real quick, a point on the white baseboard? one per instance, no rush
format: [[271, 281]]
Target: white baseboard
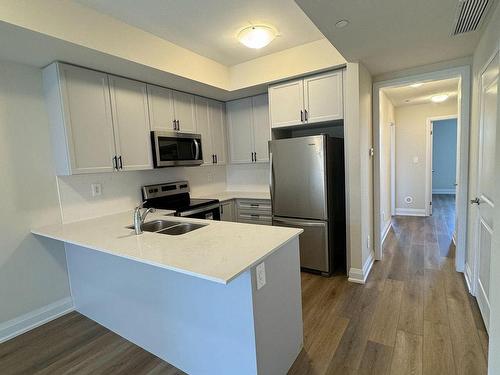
[[468, 278], [35, 318], [411, 212], [386, 231], [359, 276], [444, 191]]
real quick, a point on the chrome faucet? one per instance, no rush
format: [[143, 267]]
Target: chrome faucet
[[140, 217]]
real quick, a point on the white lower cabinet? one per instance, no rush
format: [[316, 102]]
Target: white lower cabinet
[[253, 211], [227, 211]]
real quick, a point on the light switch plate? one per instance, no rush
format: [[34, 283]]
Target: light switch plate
[[260, 272], [96, 189]]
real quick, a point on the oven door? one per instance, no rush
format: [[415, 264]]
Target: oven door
[[172, 149], [211, 212]]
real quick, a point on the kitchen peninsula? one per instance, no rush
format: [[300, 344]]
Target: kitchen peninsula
[[222, 299]]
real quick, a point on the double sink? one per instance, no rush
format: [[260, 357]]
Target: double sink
[[173, 228]]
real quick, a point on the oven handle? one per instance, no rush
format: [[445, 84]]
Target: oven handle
[[198, 210], [196, 148]]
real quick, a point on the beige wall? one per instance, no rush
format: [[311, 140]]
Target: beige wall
[[387, 119], [32, 270], [488, 44], [410, 143]]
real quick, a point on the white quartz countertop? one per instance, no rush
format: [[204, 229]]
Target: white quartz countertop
[[218, 252], [228, 195]]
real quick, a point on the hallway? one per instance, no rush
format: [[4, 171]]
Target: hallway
[[414, 315]]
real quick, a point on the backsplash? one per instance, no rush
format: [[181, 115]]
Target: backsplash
[[121, 191], [248, 177]]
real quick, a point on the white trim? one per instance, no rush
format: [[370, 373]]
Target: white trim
[[359, 276], [35, 318], [411, 212], [464, 75], [385, 232], [468, 278], [444, 191], [484, 305], [393, 169]]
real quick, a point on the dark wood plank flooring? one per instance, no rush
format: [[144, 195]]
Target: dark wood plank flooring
[[413, 316]]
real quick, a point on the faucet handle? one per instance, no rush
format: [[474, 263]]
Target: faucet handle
[[141, 205]]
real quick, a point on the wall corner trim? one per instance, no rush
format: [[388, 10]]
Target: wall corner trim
[[359, 276], [386, 231], [411, 212], [35, 318]]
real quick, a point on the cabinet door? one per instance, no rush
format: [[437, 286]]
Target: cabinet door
[[227, 211], [161, 108], [239, 122], [323, 97], [184, 112], [286, 101], [203, 128], [261, 127], [129, 103], [218, 130], [88, 123]]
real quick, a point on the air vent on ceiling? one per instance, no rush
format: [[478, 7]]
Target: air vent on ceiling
[[470, 13]]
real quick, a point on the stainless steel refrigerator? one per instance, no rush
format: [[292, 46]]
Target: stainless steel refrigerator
[[308, 191]]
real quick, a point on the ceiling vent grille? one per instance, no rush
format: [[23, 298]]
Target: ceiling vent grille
[[470, 13]]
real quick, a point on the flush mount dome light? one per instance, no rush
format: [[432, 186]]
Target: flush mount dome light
[[341, 24], [439, 98], [257, 36]]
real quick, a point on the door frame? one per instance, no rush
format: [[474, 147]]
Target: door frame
[[428, 156], [463, 124]]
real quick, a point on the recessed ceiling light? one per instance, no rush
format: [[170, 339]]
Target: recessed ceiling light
[[257, 36], [439, 98], [341, 24], [416, 84]]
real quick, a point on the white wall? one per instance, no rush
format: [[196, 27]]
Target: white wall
[[32, 270], [387, 120], [411, 143]]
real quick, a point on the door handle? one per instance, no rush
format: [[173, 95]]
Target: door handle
[[475, 201]]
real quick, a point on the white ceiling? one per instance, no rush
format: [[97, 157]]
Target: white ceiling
[[391, 35], [407, 95], [209, 28]]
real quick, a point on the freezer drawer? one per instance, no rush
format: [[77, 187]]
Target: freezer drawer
[[313, 242]]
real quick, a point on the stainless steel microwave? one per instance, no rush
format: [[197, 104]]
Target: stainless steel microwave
[[172, 149]]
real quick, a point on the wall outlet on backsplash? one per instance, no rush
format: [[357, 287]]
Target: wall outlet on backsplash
[[210, 177], [96, 190]]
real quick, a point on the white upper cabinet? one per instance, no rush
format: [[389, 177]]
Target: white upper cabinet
[[80, 115], [249, 130], [261, 128], [239, 122], [203, 128], [184, 112], [161, 108], [218, 130], [129, 104], [286, 104], [323, 97], [310, 100]]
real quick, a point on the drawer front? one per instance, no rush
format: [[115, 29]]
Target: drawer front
[[254, 219], [254, 205]]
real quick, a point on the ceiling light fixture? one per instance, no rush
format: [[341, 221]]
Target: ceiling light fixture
[[439, 98], [341, 24], [416, 84], [257, 36]]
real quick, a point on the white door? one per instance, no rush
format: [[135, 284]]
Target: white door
[[203, 128], [323, 97], [286, 104], [261, 127], [161, 108], [129, 103], [217, 128], [486, 183], [89, 126], [239, 122], [184, 112]]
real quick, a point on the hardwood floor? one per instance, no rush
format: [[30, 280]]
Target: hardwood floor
[[413, 316]]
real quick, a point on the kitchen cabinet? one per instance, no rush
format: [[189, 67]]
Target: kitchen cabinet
[[249, 130], [227, 211], [171, 110], [314, 99], [253, 211], [210, 124], [129, 105]]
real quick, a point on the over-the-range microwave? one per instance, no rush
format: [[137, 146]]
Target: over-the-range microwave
[[172, 149]]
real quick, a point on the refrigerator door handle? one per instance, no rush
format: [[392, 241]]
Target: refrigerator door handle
[[302, 222], [271, 177]]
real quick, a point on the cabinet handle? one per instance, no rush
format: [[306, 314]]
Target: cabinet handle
[[213, 158], [178, 125], [216, 161], [252, 156], [120, 163], [305, 114], [301, 116], [175, 125], [255, 157], [115, 163], [222, 209]]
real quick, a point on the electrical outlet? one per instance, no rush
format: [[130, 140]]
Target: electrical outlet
[[96, 189], [210, 177], [260, 273]]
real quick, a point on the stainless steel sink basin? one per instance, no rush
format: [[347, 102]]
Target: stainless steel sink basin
[[181, 229], [156, 225]]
